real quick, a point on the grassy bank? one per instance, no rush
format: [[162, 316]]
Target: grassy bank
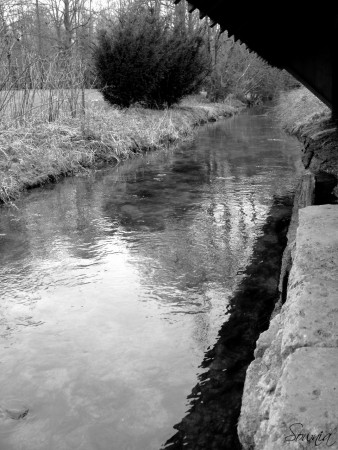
[[299, 109], [39, 151], [306, 117]]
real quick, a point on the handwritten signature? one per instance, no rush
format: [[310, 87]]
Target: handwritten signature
[[317, 439]]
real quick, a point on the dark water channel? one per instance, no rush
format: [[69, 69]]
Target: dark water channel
[[114, 288]]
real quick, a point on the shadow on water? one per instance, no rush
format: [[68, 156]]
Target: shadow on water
[[215, 402]]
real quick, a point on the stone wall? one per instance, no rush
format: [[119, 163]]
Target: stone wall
[[319, 151], [291, 387]]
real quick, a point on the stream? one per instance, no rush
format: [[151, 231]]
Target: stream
[[115, 286]]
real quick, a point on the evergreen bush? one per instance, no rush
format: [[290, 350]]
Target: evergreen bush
[[143, 58]]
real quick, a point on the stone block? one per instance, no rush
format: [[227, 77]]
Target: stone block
[[304, 408], [260, 383], [316, 252], [311, 316]]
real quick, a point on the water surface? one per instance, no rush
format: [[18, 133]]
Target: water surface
[[114, 286]]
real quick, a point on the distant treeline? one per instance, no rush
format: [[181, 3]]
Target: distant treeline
[[55, 44]]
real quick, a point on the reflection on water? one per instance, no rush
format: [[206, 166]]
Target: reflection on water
[[215, 401], [113, 287]]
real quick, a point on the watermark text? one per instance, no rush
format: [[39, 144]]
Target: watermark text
[[299, 435]]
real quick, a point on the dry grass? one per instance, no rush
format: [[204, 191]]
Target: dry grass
[[39, 151], [299, 108]]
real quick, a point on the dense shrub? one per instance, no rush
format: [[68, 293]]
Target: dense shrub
[[143, 58], [183, 70]]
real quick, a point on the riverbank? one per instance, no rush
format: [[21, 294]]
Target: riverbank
[[290, 395], [303, 115], [38, 152]]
